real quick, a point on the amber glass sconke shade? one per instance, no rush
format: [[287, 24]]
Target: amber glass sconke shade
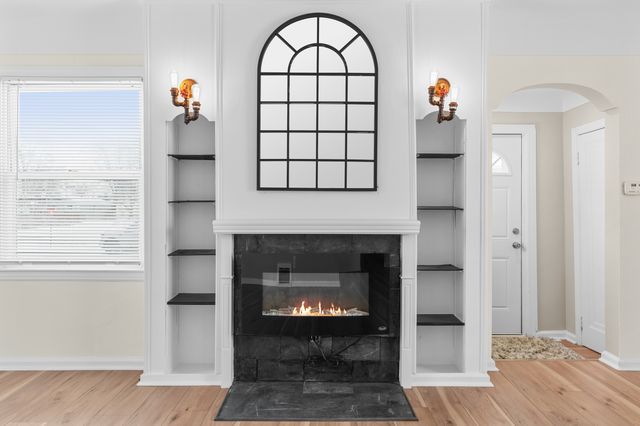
[[439, 88], [189, 90]]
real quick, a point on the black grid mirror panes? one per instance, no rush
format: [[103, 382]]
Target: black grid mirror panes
[[317, 107]]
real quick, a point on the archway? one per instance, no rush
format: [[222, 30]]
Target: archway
[[602, 105]]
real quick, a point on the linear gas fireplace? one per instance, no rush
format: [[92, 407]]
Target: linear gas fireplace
[[309, 294], [305, 300]]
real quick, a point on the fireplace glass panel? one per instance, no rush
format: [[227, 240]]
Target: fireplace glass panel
[[311, 285]]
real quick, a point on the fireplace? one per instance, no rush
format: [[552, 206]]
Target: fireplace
[[314, 294], [317, 307]]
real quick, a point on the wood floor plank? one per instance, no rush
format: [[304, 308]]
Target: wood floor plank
[[519, 409], [12, 381], [444, 406], [122, 406], [86, 408], [28, 399], [154, 409], [544, 391], [481, 407], [600, 400], [193, 407], [57, 402]]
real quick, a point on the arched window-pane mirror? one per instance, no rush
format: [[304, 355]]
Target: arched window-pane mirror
[[317, 107]]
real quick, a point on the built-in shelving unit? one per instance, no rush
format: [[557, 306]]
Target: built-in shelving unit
[[440, 279], [190, 294]]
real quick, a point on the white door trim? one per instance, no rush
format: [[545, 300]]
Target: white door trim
[[529, 227], [575, 132]]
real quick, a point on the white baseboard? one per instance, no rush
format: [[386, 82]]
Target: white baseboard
[[558, 335], [72, 363], [451, 379], [492, 365], [617, 363], [181, 379]]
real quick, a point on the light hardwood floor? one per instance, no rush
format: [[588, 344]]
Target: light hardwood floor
[[525, 392]]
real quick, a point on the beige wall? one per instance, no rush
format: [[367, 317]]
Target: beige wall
[[550, 219], [619, 98], [54, 320]]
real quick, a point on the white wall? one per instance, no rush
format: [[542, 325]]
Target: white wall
[[384, 23], [57, 320], [33, 27], [567, 27]]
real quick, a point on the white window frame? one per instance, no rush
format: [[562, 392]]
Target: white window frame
[[78, 271]]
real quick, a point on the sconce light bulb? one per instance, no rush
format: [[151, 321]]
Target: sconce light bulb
[[454, 93], [174, 79], [433, 78], [195, 92]]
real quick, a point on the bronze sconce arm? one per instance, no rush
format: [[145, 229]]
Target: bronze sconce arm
[[437, 94], [190, 91]]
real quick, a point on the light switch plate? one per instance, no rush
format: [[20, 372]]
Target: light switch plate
[[631, 187]]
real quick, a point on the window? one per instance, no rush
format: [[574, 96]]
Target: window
[[499, 165], [71, 174], [317, 112]]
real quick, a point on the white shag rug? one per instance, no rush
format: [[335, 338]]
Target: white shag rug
[[525, 347]]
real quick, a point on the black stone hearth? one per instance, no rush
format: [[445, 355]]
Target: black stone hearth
[[315, 401], [349, 358]]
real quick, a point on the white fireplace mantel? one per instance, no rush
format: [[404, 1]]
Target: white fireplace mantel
[[316, 226], [224, 230]]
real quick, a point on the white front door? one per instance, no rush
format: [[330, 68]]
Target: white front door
[[507, 236], [588, 205]]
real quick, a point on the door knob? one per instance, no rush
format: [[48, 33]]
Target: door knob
[[516, 245]]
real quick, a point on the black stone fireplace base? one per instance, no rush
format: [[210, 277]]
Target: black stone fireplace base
[[349, 359], [315, 401]]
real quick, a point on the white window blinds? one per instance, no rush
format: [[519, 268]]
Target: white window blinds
[[70, 172]]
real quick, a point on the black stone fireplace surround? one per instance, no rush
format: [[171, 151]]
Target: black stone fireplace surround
[[344, 349]]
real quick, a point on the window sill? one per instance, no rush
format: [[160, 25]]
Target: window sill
[[67, 273]]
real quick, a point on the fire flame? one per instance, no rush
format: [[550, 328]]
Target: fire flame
[[303, 310]]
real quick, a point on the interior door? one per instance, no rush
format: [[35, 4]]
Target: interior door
[[589, 235], [506, 237]]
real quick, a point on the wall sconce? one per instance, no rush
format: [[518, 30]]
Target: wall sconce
[[439, 88], [190, 92]]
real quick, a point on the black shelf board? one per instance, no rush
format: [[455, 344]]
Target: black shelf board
[[193, 299], [446, 267], [193, 156], [190, 201], [440, 208], [193, 252], [422, 155], [438, 320]]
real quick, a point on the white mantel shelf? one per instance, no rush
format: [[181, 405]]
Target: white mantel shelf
[[316, 226]]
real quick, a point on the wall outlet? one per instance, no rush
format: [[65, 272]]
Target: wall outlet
[[631, 187]]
